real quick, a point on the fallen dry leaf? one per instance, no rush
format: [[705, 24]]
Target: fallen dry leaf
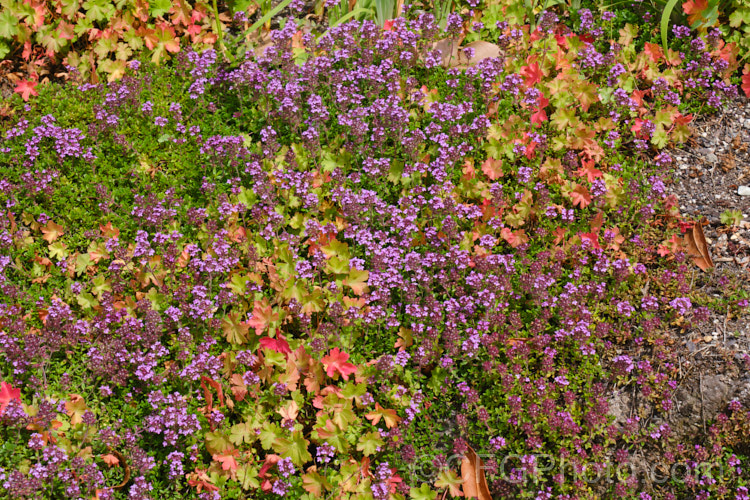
[[472, 473], [697, 247]]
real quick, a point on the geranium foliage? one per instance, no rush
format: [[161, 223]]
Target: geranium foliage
[[313, 272]]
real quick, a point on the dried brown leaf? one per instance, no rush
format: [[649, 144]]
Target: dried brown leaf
[[697, 247], [472, 473]]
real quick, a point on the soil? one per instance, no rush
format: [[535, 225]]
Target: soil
[[708, 172]]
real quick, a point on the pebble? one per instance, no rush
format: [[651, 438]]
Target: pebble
[[743, 191]]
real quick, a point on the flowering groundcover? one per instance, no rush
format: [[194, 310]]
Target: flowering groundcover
[[337, 269]]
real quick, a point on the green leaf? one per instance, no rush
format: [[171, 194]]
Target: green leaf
[[104, 46], [242, 433], [217, 443], [70, 8], [86, 300], [247, 475], [82, 262], [4, 49], [269, 433], [99, 10], [101, 285], [57, 250], [369, 443], [247, 197], [8, 24], [158, 8], [352, 390], [665, 15], [133, 40], [731, 217], [659, 139], [158, 300], [263, 20], [423, 493], [337, 265], [295, 448], [739, 17]]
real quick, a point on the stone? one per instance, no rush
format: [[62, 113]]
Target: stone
[[743, 190]]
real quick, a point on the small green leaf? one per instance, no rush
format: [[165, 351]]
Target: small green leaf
[[295, 448], [86, 300], [158, 8], [242, 433], [370, 443], [731, 217], [247, 475], [101, 285], [83, 261], [8, 24], [57, 250], [424, 492], [269, 433]]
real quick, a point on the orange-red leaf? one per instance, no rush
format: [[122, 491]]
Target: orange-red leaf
[[263, 315], [581, 196], [492, 168], [110, 459], [26, 88], [335, 363], [389, 416], [52, 231], [7, 393]]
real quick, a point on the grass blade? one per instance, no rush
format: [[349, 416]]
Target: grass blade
[[665, 15], [263, 20]]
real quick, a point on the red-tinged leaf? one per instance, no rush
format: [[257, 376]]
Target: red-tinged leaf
[[108, 231], [746, 80], [52, 231], [637, 96], [559, 235], [200, 481], [8, 393], [235, 330], [592, 238], [357, 281], [654, 51], [180, 12], [207, 382], [694, 6], [75, 407], [680, 119], [390, 417], [227, 460], [263, 315], [278, 344], [405, 339], [335, 363], [26, 88], [532, 74], [314, 483], [492, 168], [239, 388], [110, 460], [539, 117], [580, 196], [663, 251], [589, 170], [26, 54], [514, 238], [65, 30]]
